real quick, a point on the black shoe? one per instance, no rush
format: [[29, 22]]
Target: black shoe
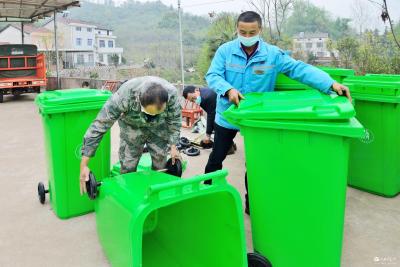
[[247, 210], [247, 205], [231, 151]]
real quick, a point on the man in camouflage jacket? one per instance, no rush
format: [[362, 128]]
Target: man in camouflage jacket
[[148, 112]]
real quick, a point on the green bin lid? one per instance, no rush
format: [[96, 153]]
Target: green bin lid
[[383, 77], [70, 100], [368, 88], [338, 72], [308, 110], [292, 105], [372, 79], [348, 128]]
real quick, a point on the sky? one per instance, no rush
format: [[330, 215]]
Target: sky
[[340, 8]]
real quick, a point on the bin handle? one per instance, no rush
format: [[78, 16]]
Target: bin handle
[[181, 187], [326, 109]]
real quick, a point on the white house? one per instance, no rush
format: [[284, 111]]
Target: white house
[[106, 46], [86, 43], [75, 41], [314, 43], [80, 43]]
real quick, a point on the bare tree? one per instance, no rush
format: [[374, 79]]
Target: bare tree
[[386, 17], [274, 13], [263, 7], [361, 14]]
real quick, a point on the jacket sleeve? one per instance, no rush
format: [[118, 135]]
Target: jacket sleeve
[[304, 73], [111, 111], [215, 76], [174, 119]]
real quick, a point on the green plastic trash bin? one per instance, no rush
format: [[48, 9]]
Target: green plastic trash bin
[[66, 115], [297, 146], [285, 83], [375, 160], [144, 165], [152, 219]]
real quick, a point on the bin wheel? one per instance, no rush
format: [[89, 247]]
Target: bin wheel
[[192, 151], [42, 192], [176, 169], [179, 146], [92, 186], [184, 142], [256, 260]]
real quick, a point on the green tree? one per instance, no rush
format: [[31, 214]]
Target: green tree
[[307, 17], [115, 60], [223, 29], [347, 48]]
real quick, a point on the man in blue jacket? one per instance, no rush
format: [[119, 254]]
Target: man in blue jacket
[[248, 64]]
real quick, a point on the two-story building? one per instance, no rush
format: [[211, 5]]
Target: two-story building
[[106, 48], [80, 43], [76, 41], [313, 43]]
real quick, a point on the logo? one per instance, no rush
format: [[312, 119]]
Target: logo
[[16, 51], [368, 137]]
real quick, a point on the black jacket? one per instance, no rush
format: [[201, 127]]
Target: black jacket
[[209, 104]]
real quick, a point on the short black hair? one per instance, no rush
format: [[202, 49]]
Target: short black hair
[[85, 84], [188, 90], [249, 16], [154, 94]]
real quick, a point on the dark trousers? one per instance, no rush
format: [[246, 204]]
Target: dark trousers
[[223, 141]]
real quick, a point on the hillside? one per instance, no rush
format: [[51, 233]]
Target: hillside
[[148, 30]]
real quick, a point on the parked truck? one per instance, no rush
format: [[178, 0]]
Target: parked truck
[[22, 70]]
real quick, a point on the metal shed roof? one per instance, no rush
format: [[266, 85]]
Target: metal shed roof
[[28, 10]]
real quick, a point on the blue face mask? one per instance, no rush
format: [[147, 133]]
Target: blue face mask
[[198, 100], [249, 41]]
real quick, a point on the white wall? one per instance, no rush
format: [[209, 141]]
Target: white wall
[[13, 36], [84, 35], [64, 38]]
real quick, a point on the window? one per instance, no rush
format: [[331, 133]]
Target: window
[[89, 42], [91, 58], [320, 44], [308, 45], [80, 59], [298, 45], [89, 29], [102, 43], [110, 44], [101, 57], [78, 41], [78, 29]]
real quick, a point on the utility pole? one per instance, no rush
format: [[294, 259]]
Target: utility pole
[[181, 43], [56, 50], [22, 33]]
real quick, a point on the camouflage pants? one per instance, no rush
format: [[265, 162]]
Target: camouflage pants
[[132, 142]]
